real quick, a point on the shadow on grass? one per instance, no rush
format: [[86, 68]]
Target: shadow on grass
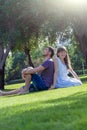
[[68, 113]]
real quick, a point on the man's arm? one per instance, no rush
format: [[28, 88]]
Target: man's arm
[[55, 73], [34, 70]]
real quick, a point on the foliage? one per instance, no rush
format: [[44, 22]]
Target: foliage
[[77, 58], [14, 65], [81, 72]]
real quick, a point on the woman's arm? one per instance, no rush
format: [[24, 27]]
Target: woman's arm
[[74, 73], [55, 73]]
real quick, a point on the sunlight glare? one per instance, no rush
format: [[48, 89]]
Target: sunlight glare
[[76, 2]]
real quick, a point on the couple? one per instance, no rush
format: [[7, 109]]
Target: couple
[[54, 73]]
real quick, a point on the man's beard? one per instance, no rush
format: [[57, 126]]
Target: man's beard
[[44, 55]]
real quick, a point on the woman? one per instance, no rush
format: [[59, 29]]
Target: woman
[[62, 68]]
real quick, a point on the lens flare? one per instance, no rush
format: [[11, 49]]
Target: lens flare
[[76, 2]]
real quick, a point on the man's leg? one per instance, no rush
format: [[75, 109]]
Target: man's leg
[[25, 88], [2, 93], [21, 90], [38, 82]]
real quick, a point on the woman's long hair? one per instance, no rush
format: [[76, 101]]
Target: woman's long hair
[[66, 59]]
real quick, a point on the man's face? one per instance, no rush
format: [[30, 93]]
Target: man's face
[[46, 52]]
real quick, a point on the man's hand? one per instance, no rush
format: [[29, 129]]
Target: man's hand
[[25, 72]]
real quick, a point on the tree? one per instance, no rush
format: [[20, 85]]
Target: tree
[[20, 23], [7, 35]]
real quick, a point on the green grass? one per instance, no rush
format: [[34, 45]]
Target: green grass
[[83, 78], [59, 109]]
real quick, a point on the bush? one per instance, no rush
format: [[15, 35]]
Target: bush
[[15, 81], [80, 72]]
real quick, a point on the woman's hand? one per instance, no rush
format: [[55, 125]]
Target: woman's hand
[[74, 74]]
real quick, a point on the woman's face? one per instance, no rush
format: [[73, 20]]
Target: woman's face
[[62, 54]]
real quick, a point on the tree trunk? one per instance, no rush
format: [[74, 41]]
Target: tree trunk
[[3, 57], [27, 52], [2, 78], [82, 44], [30, 60]]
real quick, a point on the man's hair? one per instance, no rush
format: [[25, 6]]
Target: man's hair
[[51, 49]]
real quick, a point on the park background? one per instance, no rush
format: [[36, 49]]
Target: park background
[[26, 27]]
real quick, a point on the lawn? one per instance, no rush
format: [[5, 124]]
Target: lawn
[[59, 109]]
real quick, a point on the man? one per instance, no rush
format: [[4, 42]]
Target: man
[[40, 82]]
